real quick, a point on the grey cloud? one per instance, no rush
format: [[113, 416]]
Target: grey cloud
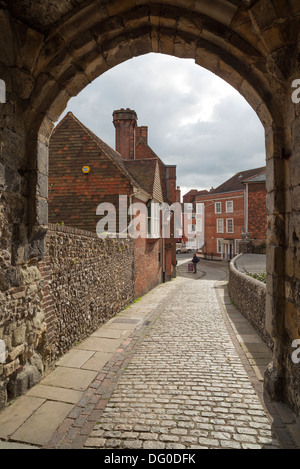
[[165, 91]]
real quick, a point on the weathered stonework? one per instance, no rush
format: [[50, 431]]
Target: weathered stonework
[[51, 50], [22, 328]]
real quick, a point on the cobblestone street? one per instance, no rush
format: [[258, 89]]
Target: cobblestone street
[[185, 386], [179, 369]]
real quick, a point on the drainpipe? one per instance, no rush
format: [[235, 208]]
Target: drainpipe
[[204, 227], [246, 208], [164, 260]]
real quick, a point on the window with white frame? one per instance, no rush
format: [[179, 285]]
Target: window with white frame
[[229, 206], [220, 225], [199, 208], [229, 225], [153, 220], [199, 225], [188, 210], [219, 245], [218, 207]]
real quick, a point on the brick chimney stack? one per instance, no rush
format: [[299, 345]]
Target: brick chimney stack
[[142, 134], [125, 122]]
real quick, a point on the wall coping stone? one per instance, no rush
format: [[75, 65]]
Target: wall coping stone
[[76, 231]]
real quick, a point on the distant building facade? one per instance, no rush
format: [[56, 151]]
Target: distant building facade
[[227, 216]]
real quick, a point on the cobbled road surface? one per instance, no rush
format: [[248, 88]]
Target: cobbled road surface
[[185, 386]]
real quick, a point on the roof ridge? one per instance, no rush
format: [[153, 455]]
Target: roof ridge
[[119, 163]]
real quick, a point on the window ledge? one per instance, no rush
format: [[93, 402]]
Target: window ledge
[[152, 240]]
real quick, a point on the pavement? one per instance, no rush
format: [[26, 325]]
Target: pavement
[[179, 369]]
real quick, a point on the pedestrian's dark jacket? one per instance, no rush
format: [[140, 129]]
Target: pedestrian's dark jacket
[[195, 259]]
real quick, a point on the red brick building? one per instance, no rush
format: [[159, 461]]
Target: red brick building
[[85, 172], [225, 215]]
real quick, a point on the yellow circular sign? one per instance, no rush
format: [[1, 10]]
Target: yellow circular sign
[[86, 169]]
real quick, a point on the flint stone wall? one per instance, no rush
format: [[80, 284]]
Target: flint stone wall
[[87, 281], [81, 283], [249, 296]]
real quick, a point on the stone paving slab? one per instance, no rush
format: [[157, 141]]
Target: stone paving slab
[[99, 344], [111, 334], [39, 428], [97, 362], [15, 446], [16, 414], [70, 378], [54, 393], [75, 358]]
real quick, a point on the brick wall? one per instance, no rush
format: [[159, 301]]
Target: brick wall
[[257, 211], [87, 281], [211, 217], [147, 268]]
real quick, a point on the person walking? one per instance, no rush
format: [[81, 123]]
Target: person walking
[[195, 261]]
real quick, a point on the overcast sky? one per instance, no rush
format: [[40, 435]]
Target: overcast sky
[[196, 120]]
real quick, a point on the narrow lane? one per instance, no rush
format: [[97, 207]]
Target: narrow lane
[[185, 386]]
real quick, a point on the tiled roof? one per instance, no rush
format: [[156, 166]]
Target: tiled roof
[[202, 193], [143, 174], [108, 151], [192, 192], [236, 182], [258, 178], [146, 172]]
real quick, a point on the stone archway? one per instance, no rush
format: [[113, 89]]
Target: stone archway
[[53, 50]]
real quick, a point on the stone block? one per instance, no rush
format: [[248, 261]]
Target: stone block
[[292, 320], [24, 380], [19, 350], [10, 368], [30, 274], [19, 335], [295, 197], [42, 211], [263, 13], [10, 278], [42, 158], [92, 14], [273, 383], [3, 394], [42, 185], [294, 164]]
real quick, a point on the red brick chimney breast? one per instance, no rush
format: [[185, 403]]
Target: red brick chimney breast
[[125, 122]]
